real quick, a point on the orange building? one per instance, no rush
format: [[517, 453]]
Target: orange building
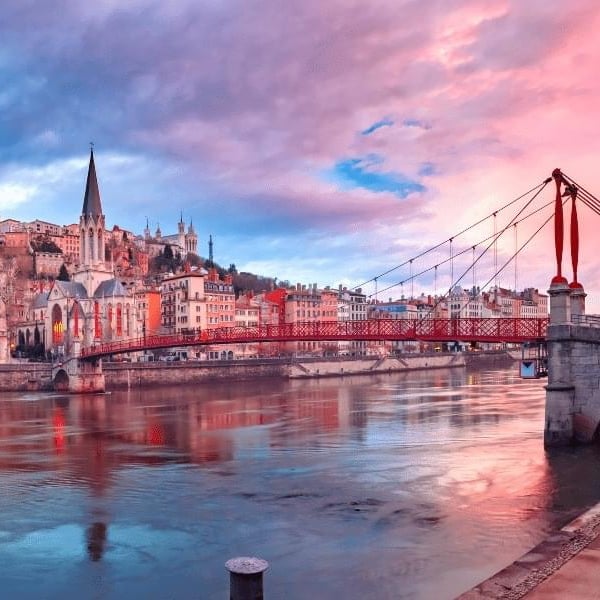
[[147, 304]]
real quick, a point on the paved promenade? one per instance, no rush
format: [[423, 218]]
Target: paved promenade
[[565, 566]]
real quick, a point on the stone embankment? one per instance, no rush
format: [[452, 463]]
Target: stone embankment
[[24, 376], [299, 368]]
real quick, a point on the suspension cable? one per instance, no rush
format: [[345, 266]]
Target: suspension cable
[[514, 256], [587, 198], [519, 250], [451, 258], [424, 252], [503, 230], [548, 180]]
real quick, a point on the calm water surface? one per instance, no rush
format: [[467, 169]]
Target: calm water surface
[[399, 486]]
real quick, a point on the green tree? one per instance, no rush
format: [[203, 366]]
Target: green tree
[[63, 274]]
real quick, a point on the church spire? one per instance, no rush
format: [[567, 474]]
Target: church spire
[[91, 201], [91, 224]]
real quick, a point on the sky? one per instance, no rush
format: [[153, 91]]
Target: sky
[[317, 141]]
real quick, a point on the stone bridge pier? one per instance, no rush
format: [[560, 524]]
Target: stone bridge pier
[[573, 390], [78, 376]]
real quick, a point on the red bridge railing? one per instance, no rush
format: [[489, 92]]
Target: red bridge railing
[[427, 330]]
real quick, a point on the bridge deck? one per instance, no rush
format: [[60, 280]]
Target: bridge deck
[[429, 330]]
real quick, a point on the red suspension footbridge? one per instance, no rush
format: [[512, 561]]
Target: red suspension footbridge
[[426, 328]]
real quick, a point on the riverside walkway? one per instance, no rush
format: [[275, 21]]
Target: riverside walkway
[[564, 566]]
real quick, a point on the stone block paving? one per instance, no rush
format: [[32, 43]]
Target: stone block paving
[[577, 579]]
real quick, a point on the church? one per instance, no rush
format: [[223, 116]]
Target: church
[[182, 243], [93, 307]]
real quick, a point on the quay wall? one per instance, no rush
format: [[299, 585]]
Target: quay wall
[[492, 359], [25, 376], [364, 366]]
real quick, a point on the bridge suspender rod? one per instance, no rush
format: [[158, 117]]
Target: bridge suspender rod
[[474, 267], [495, 249], [520, 249], [490, 237], [516, 254], [538, 187], [451, 263], [513, 220]]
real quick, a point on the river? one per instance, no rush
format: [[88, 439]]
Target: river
[[415, 485]]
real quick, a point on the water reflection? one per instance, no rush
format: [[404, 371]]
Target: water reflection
[[427, 470], [96, 539]]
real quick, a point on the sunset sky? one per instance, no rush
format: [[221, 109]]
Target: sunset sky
[[317, 141]]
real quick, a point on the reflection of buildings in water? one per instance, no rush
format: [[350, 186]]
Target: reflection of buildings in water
[[96, 540], [194, 420], [58, 428]]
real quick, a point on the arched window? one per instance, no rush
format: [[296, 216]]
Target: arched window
[[91, 245], [27, 337], [119, 320], [76, 310], [100, 246], [109, 316], [127, 320], [97, 325], [58, 329]]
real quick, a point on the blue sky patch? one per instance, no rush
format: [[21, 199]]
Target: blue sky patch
[[416, 123], [385, 122], [427, 169], [359, 173]]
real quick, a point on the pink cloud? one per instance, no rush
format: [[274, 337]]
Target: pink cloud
[[257, 100]]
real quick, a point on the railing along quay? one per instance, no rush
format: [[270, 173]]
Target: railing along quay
[[589, 320]]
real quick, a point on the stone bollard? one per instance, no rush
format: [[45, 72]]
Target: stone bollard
[[246, 577]]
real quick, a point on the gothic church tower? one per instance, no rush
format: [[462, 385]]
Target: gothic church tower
[[92, 268], [91, 222]]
